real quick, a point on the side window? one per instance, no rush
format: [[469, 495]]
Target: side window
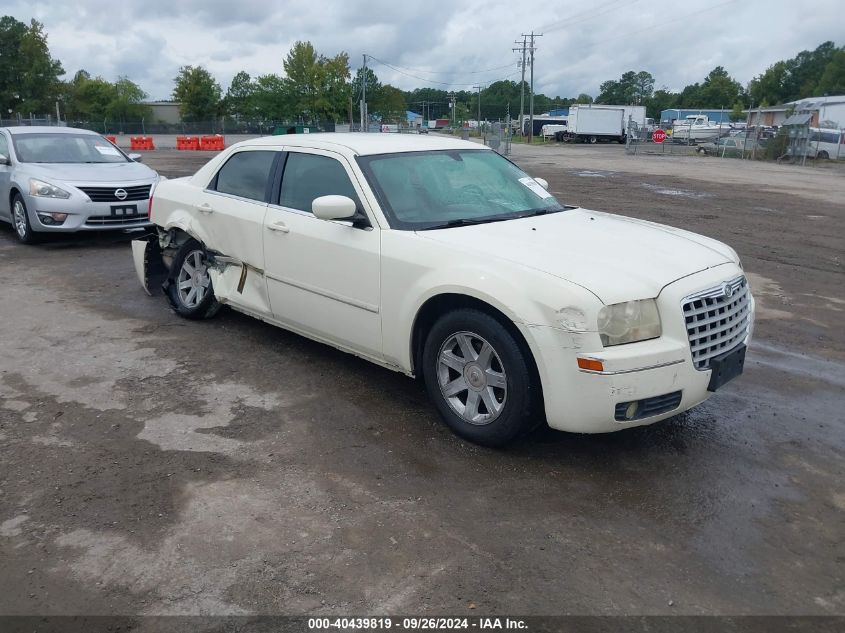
[[245, 174], [830, 137], [309, 176], [4, 146]]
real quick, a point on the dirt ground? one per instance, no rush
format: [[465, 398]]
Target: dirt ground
[[152, 465]]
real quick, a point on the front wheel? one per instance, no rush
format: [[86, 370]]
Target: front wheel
[[479, 378], [823, 155], [21, 223], [189, 288]]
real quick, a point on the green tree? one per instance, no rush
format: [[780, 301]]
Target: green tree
[[318, 86], [719, 90], [126, 102], [583, 98], [239, 101], [805, 71], [197, 92], [29, 76], [643, 86], [271, 100], [629, 89], [88, 98], [832, 81], [390, 104], [660, 100]]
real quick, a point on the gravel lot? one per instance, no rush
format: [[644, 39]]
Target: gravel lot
[[152, 465]]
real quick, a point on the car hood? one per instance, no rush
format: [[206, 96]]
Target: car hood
[[616, 258], [90, 173]]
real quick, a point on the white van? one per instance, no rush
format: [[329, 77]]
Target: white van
[[826, 143]]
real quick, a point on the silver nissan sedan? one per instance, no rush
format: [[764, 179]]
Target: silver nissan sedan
[[56, 179]]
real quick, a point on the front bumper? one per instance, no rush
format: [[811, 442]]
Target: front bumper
[[586, 401], [85, 215]]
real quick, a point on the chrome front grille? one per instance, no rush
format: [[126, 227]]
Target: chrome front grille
[[109, 194], [717, 320]]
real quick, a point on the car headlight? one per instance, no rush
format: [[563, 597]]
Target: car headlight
[[46, 190], [629, 322]]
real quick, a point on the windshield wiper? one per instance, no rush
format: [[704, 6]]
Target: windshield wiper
[[467, 222]]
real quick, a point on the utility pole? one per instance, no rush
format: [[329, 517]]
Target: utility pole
[[452, 106], [364, 122], [531, 50], [522, 83], [479, 108]]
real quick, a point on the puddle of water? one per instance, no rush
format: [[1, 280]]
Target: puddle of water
[[680, 193], [591, 174]]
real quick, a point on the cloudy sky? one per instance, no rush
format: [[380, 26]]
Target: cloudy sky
[[584, 41]]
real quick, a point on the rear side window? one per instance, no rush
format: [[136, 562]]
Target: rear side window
[[246, 174], [4, 146], [309, 176]]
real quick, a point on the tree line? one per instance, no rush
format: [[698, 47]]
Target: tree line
[[809, 74], [314, 87]]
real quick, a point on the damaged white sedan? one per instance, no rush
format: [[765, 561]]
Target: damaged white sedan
[[441, 259]]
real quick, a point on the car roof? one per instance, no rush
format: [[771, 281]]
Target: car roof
[[46, 129], [367, 144]]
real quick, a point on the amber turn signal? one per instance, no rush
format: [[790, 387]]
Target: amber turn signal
[[590, 364]]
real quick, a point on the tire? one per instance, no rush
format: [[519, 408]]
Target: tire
[[823, 155], [489, 400], [20, 222], [593, 140], [195, 299]]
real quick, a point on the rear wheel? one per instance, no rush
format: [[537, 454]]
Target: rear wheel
[[478, 377], [823, 155], [189, 289], [593, 140], [20, 221]]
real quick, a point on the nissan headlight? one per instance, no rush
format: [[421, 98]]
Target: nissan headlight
[[629, 322], [46, 190]]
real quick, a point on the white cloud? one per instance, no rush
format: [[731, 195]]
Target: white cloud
[[148, 41]]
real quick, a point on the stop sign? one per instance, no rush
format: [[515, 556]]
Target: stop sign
[[658, 136]]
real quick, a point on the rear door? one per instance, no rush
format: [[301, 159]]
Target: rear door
[[230, 211], [323, 276]]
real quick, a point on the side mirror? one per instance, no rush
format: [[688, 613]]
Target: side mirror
[[333, 208], [138, 158], [543, 183], [4, 160]]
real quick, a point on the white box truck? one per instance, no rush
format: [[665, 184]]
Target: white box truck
[[593, 124]]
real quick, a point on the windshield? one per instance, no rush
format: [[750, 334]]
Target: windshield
[[426, 190], [65, 148]]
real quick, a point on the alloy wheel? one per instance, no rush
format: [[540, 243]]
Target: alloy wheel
[[20, 219], [193, 281], [472, 378]]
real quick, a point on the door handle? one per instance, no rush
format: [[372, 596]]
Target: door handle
[[280, 227], [205, 208]]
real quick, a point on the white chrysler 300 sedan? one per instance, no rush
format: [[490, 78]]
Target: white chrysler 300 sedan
[[439, 258]]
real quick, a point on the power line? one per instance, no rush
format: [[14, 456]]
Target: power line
[[431, 81], [448, 72], [583, 16]]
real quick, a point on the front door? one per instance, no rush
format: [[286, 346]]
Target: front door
[[323, 276]]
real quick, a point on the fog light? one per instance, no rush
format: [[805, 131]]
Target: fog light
[[631, 410], [52, 219]]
